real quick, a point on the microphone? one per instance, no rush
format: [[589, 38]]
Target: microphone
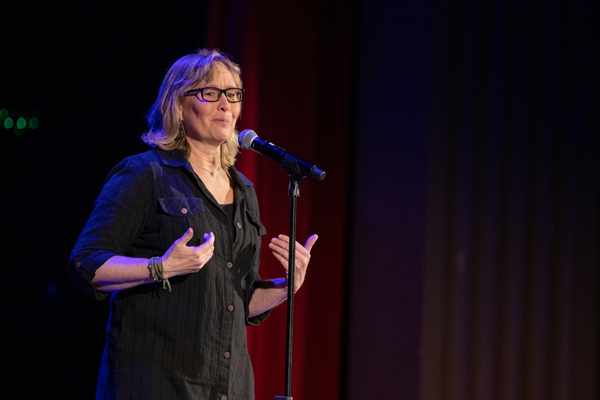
[[249, 140]]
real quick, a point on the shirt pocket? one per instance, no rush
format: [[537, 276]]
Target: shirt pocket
[[177, 214]]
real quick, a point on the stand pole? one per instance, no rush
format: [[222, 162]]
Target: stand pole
[[296, 174], [294, 191]]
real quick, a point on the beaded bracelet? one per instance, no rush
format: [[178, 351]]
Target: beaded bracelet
[[156, 269]]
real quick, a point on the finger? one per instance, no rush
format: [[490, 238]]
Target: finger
[[282, 260], [283, 242], [310, 242], [278, 248], [302, 257], [208, 244], [187, 236], [281, 238], [209, 237], [279, 243]]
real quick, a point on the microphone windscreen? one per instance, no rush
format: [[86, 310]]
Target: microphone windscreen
[[245, 138]]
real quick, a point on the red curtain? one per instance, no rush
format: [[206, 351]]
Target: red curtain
[[298, 99], [511, 284]]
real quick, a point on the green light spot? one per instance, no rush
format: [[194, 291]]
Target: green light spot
[[18, 131], [8, 123], [21, 123], [3, 113], [34, 123]]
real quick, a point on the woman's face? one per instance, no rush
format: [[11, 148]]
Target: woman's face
[[211, 122]]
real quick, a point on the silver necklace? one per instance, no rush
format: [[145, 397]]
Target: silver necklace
[[211, 173]]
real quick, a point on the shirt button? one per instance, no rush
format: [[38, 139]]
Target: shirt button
[[226, 355], [184, 210], [230, 308], [239, 225], [229, 264], [78, 264]]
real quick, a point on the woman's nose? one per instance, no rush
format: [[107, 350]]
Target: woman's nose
[[223, 103]]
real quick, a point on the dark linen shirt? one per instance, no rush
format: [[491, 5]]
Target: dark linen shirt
[[189, 343]]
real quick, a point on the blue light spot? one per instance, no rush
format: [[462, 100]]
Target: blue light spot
[[51, 289]]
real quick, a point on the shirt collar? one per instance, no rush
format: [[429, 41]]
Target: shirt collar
[[176, 159], [172, 158]]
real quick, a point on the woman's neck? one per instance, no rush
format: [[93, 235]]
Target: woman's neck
[[205, 155]]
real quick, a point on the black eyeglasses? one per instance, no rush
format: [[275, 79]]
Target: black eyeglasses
[[233, 95]]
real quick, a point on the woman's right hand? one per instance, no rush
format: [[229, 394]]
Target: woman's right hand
[[182, 259]]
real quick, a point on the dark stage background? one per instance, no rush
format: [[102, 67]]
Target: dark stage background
[[459, 221]]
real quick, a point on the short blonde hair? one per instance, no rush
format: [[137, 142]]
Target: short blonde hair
[[164, 123]]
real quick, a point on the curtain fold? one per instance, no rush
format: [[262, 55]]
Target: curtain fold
[[511, 272]]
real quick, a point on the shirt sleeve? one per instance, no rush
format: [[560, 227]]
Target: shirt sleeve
[[119, 214]]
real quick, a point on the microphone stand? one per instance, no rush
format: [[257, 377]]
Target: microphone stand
[[295, 175]]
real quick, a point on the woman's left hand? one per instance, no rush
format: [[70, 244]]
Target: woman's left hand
[[280, 248]]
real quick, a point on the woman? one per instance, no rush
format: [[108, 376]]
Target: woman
[[180, 217]]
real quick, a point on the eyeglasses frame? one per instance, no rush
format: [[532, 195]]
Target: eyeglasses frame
[[221, 91]]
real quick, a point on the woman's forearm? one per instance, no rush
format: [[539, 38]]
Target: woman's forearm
[[270, 294], [120, 272]]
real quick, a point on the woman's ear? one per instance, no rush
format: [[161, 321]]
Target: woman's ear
[[180, 109]]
